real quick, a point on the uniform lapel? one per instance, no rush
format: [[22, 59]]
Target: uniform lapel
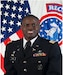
[[19, 48], [37, 46], [33, 49]]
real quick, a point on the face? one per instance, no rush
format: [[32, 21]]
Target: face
[[30, 27]]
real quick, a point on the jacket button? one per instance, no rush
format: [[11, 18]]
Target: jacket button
[[39, 61], [25, 70], [24, 62]]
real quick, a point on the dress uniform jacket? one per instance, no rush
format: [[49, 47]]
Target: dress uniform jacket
[[43, 58]]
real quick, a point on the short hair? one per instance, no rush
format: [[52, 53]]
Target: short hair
[[29, 16]]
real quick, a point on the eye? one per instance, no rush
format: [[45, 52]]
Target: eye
[[26, 25], [33, 24]]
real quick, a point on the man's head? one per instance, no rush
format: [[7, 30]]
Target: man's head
[[30, 26]]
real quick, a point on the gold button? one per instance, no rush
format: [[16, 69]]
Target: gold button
[[39, 61], [24, 62], [12, 61], [25, 70]]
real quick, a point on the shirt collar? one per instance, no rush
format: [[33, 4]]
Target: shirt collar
[[32, 41]]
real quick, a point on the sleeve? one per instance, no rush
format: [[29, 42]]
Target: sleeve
[[55, 60], [9, 67]]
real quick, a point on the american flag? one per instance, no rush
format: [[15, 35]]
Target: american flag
[[11, 13]]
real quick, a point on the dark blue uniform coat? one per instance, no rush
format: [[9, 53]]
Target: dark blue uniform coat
[[44, 58]]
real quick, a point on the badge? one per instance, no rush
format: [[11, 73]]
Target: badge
[[13, 57], [40, 67]]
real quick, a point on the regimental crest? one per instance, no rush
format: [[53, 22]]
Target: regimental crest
[[51, 23]]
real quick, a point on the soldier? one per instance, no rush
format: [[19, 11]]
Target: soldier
[[32, 55]]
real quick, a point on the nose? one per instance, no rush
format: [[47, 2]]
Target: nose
[[30, 27]]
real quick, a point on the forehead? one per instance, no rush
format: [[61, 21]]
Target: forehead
[[30, 19]]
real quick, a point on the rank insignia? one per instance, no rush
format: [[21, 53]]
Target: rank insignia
[[39, 51], [33, 49], [37, 45], [52, 42]]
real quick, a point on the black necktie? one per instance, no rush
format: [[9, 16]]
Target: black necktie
[[27, 48], [28, 44]]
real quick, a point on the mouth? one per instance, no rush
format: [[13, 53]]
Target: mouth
[[30, 32]]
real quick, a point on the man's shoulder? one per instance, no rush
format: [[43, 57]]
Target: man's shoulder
[[46, 40], [14, 42]]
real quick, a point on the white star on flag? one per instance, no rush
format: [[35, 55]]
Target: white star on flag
[[14, 8], [12, 15], [11, 22], [3, 29], [7, 6], [20, 9], [19, 23], [4, 21], [6, 14], [10, 29]]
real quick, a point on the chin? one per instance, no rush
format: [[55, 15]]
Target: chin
[[30, 36]]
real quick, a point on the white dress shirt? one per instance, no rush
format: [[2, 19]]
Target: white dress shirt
[[32, 41]]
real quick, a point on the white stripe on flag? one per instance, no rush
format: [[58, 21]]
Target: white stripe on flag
[[2, 50], [14, 37], [1, 72]]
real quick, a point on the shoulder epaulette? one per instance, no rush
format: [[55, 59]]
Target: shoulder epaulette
[[51, 41], [9, 42]]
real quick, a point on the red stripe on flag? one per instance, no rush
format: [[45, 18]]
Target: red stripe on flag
[[48, 15], [7, 41], [2, 63], [60, 43], [20, 33]]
